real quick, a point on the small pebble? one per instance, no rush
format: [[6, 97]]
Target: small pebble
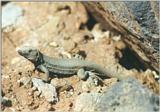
[[37, 93], [120, 45], [30, 93], [70, 104], [53, 44], [34, 88], [25, 80], [9, 110], [49, 106], [69, 94], [116, 38], [19, 107], [5, 77], [98, 33], [78, 93], [156, 76], [85, 86], [6, 102], [69, 45], [65, 88], [68, 55]]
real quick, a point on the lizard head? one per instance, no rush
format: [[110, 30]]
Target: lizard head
[[29, 52]]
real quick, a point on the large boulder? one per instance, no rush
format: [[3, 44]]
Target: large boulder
[[141, 17], [127, 95]]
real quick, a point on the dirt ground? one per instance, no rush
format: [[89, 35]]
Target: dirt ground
[[60, 30]]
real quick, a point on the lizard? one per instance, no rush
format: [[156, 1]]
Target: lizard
[[61, 66]]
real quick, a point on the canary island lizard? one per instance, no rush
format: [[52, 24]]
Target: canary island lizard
[[58, 66]]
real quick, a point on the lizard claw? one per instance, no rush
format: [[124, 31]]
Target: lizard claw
[[82, 74], [90, 76], [93, 79]]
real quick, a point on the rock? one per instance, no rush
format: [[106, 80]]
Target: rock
[[9, 110], [10, 14], [125, 95], [145, 16], [116, 38], [82, 36], [34, 88], [25, 80], [61, 85], [91, 83], [56, 82], [122, 14], [66, 87], [69, 45], [153, 73], [98, 33], [65, 54], [37, 93], [140, 17], [135, 42], [47, 90], [87, 102], [5, 102], [53, 44]]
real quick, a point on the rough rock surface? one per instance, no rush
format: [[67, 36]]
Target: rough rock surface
[[141, 47], [141, 17], [145, 16], [10, 14], [47, 90], [127, 95]]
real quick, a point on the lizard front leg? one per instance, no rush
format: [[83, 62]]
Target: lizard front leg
[[45, 70]]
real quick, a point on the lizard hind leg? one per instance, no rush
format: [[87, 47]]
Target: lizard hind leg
[[82, 74], [89, 76], [94, 79]]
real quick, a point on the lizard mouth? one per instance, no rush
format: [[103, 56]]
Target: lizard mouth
[[28, 52], [19, 51]]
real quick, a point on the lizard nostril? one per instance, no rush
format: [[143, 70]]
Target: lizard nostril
[[17, 49]]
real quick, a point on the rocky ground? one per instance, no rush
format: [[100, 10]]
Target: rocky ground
[[64, 30]]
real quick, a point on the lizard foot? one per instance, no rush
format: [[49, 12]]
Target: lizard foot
[[90, 77], [82, 74], [93, 79]]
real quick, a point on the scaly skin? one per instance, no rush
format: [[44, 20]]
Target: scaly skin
[[63, 67]]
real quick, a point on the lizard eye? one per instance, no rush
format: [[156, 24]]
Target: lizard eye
[[29, 50]]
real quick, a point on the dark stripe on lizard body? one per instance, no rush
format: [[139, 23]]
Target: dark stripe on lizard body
[[70, 66]]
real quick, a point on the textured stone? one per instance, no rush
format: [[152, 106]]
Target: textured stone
[[140, 17], [10, 14], [145, 16], [47, 90], [127, 95]]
